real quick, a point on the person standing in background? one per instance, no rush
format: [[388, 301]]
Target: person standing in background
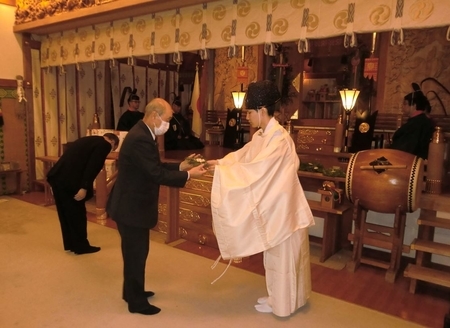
[[133, 202], [132, 115], [72, 179], [258, 205]]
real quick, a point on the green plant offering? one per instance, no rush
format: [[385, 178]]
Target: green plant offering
[[311, 167], [195, 161], [333, 172]]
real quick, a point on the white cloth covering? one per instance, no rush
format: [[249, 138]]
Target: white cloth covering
[[288, 274], [257, 201]]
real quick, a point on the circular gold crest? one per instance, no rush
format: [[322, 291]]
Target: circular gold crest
[[102, 49], [116, 48], [313, 23], [165, 41], [185, 38], [140, 25], [341, 20], [364, 127], [252, 30], [226, 34], [88, 51], [146, 43], [232, 122], [125, 28], [197, 16], [71, 37], [243, 8], [280, 26], [380, 15], [83, 35], [159, 22], [219, 12], [421, 10]]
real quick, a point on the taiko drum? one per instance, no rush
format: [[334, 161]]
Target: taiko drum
[[383, 188]]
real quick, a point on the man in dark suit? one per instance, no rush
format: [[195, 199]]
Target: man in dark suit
[[133, 202], [72, 179]]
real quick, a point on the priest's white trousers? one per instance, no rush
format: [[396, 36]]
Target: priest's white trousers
[[288, 274]]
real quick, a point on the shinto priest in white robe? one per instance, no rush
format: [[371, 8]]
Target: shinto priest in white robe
[[258, 205]]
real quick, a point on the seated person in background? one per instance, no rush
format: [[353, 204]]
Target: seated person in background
[[179, 135], [132, 115], [415, 135]]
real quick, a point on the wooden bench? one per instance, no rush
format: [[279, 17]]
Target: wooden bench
[[331, 227]]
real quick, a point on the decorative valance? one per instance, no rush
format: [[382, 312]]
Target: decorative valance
[[230, 23]]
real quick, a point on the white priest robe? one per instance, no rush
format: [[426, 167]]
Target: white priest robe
[[257, 203]]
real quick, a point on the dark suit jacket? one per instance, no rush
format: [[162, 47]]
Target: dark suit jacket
[[134, 197], [79, 165]]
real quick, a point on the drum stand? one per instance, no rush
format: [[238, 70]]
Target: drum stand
[[385, 237]]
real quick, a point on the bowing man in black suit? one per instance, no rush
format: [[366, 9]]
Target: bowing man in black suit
[[72, 178], [133, 202]]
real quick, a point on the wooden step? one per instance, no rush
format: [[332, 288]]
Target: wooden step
[[433, 221], [431, 247], [378, 240], [433, 276]]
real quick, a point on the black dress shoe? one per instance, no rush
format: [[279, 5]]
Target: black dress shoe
[[150, 310], [147, 294], [86, 250]]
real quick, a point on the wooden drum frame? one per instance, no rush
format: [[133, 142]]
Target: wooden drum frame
[[384, 181]]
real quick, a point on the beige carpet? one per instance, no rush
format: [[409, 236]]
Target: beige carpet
[[42, 286]]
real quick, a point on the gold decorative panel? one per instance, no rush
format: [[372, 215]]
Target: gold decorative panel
[[194, 199], [162, 209], [188, 215], [201, 185], [182, 232], [162, 226]]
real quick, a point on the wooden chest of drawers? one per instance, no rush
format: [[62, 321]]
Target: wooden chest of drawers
[[194, 211]]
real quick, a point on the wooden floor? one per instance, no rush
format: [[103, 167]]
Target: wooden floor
[[365, 287]]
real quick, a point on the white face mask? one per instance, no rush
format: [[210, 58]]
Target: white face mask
[[159, 131]]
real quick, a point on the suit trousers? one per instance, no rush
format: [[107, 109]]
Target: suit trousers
[[135, 244], [72, 218]]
